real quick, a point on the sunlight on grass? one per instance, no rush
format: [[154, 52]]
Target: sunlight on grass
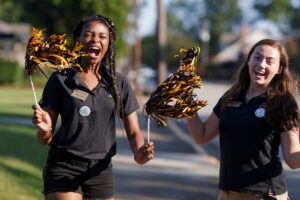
[[21, 157], [17, 101], [21, 161], [20, 180]]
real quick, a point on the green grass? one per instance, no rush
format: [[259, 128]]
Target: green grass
[[21, 156], [17, 101]]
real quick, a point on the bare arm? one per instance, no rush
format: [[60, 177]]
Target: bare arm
[[142, 152], [45, 120], [203, 132], [291, 148]]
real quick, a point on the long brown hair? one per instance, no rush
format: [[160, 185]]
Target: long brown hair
[[282, 110], [109, 60]]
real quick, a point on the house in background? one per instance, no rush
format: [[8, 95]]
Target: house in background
[[13, 41], [224, 64], [240, 47]]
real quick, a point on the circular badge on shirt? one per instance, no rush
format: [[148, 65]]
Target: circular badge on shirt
[[260, 112], [84, 111]]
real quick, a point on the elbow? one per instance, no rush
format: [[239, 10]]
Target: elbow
[[200, 141], [201, 138], [292, 164]]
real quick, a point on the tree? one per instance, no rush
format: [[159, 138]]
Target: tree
[[177, 38], [222, 17], [60, 16], [137, 47], [285, 13], [148, 51]]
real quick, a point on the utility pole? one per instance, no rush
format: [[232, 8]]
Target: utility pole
[[204, 36], [161, 41], [137, 47]]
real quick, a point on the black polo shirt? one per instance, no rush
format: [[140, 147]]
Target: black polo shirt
[[87, 117], [249, 148]]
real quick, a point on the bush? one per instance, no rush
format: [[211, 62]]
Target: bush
[[38, 78], [10, 72]]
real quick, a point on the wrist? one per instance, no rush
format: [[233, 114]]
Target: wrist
[[137, 159], [44, 137], [44, 133]]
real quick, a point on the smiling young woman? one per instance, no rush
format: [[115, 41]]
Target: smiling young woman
[[88, 101], [253, 118]]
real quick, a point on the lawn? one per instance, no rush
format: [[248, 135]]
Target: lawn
[[21, 156], [17, 101]]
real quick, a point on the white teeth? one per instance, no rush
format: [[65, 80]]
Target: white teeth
[[260, 74], [95, 48]]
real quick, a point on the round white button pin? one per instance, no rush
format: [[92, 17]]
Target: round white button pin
[[260, 112], [84, 111]]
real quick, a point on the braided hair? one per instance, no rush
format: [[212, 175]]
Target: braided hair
[[109, 58]]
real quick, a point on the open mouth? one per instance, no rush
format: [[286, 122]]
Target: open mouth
[[93, 51], [257, 73]]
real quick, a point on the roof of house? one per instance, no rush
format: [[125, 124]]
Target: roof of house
[[19, 30], [242, 44]]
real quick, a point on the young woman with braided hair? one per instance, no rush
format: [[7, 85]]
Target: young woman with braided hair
[[79, 159], [253, 118]]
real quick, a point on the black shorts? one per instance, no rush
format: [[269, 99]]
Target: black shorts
[[66, 173]]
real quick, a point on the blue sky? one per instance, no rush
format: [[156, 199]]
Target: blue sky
[[148, 17]]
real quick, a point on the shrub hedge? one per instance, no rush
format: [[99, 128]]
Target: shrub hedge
[[11, 73]]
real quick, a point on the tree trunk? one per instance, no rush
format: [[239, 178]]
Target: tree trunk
[[137, 47]]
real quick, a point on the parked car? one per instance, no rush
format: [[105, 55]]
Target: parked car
[[148, 80]]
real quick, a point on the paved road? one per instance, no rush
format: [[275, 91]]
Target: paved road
[[178, 171], [181, 170], [212, 92]]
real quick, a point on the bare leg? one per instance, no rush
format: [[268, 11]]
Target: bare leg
[[63, 196], [111, 198]]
